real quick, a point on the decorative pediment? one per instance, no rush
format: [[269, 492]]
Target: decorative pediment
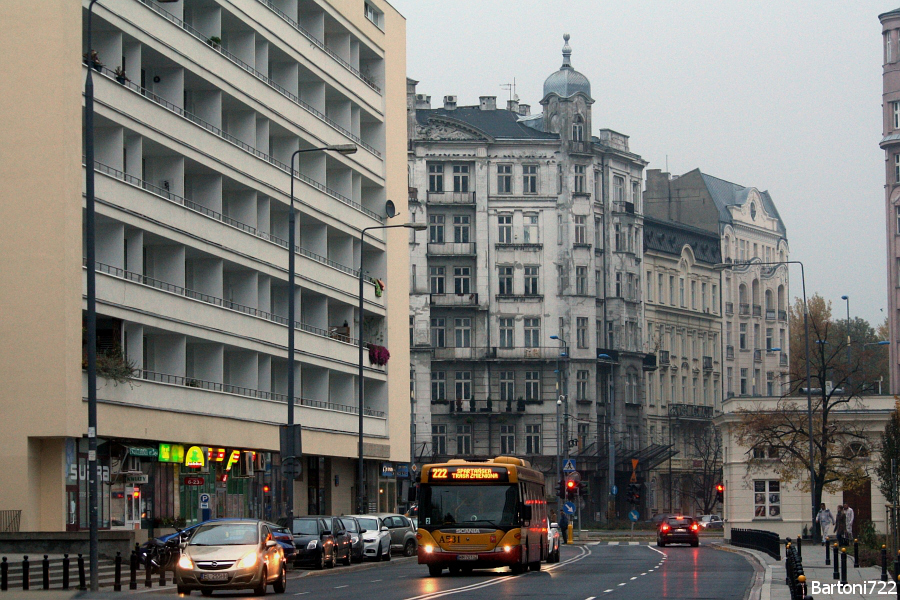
[[448, 129]]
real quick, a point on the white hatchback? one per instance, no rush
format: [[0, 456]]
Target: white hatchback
[[376, 537]]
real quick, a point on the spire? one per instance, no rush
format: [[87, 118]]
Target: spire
[[567, 53]]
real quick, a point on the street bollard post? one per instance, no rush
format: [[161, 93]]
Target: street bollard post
[[82, 580], [827, 556], [45, 568], [799, 548], [66, 561], [148, 571], [117, 582], [837, 572], [162, 575], [26, 575], [132, 582], [802, 580], [884, 576], [855, 554], [4, 575], [843, 566]]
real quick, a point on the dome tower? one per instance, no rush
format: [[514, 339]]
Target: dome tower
[[567, 101]]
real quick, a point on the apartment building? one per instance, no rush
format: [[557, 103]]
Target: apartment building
[[199, 107], [525, 292]]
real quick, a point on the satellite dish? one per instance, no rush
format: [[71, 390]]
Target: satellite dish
[[389, 209]]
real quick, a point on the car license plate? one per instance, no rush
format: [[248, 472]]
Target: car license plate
[[466, 557], [680, 530], [214, 576]]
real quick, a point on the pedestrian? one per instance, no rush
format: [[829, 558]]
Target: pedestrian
[[825, 520], [849, 512], [840, 526], [563, 527]]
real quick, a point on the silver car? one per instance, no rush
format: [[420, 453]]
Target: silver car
[[403, 533]]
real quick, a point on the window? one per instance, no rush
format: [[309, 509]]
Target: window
[[578, 129], [463, 329], [770, 383], [598, 282], [630, 291], [581, 329], [463, 440], [504, 224], [581, 384], [743, 382], [618, 189], [507, 439], [742, 338], [672, 290], [636, 193], [506, 332], [580, 229], [887, 48], [531, 230], [439, 439], [531, 281], [460, 178], [462, 280], [897, 168], [461, 229], [532, 439], [618, 285], [507, 385], [581, 280], [767, 499], [506, 280], [610, 334], [559, 179], [649, 286], [896, 108], [436, 178], [715, 298], [769, 337], [529, 179], [436, 229], [598, 186], [730, 380], [438, 385], [532, 385], [532, 332], [694, 295], [463, 385], [436, 279], [579, 178], [651, 394], [598, 235], [504, 179], [681, 292], [618, 237]]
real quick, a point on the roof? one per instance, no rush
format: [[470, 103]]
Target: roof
[[497, 123], [669, 238], [725, 194], [890, 13], [567, 81]]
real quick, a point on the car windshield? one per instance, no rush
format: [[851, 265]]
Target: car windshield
[[350, 525], [306, 527], [682, 522], [226, 535], [494, 505], [369, 524]]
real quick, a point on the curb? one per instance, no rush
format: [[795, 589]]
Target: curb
[[762, 580]]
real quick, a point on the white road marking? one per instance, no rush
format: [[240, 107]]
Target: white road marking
[[633, 578], [300, 593], [607, 591], [614, 543], [621, 584], [337, 587], [590, 598], [634, 543], [375, 580]]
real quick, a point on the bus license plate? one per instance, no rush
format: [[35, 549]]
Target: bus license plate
[[214, 576], [466, 557]]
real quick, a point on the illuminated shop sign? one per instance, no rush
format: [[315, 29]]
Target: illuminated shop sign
[[143, 452], [216, 455], [498, 474], [171, 453], [194, 457]]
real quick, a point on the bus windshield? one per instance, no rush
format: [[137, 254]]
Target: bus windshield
[[475, 505]]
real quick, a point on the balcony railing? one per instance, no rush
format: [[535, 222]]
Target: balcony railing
[[264, 78], [484, 407], [744, 309], [782, 315], [757, 310], [523, 353], [770, 314], [199, 208], [707, 363], [729, 308], [729, 351], [452, 249], [213, 386], [451, 197], [691, 412], [524, 247], [663, 358], [453, 300], [452, 353]]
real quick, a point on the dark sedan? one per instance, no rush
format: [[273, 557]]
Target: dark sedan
[[678, 530], [314, 541], [357, 546]]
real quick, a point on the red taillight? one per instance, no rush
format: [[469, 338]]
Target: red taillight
[[665, 527], [695, 527], [418, 536]]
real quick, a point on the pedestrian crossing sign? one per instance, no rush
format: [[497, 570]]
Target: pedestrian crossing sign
[[569, 465]]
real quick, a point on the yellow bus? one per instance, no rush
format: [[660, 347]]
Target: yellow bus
[[482, 515]]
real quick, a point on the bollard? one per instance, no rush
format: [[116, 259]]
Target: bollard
[[843, 566], [884, 576], [802, 580], [4, 575], [799, 548], [117, 583], [45, 567], [65, 584], [837, 573], [855, 554], [82, 583], [162, 575], [148, 582], [26, 576], [827, 556], [132, 582]]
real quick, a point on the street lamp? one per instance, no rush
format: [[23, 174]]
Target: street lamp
[[812, 474], [289, 452], [847, 300], [359, 471], [560, 397], [611, 444]]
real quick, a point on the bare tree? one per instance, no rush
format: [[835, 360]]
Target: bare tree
[[706, 446]]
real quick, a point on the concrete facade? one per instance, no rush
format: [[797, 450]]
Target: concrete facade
[[890, 143]]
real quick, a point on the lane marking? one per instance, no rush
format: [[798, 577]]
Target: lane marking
[[337, 587], [590, 598], [607, 591], [300, 593], [634, 543], [375, 581], [614, 543], [633, 578], [621, 584]]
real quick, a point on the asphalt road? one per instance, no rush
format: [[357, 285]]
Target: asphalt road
[[591, 572]]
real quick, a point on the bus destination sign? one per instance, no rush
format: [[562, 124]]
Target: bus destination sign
[[462, 473]]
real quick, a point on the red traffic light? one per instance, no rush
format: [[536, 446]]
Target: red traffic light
[[570, 484], [266, 489], [720, 488]]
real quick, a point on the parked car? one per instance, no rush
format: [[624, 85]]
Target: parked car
[[285, 539], [314, 542], [357, 546], [403, 534], [553, 543], [229, 555], [342, 539], [678, 530], [377, 537], [145, 548], [711, 522]]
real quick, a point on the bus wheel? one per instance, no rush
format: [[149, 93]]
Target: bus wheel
[[454, 570], [535, 566], [434, 570], [517, 569]]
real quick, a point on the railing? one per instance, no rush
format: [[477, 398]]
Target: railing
[[451, 197], [770, 314], [729, 351], [525, 247], [764, 541], [206, 298], [692, 412], [213, 386], [744, 309], [451, 249], [465, 300], [180, 200], [782, 315], [707, 363], [242, 145], [9, 521], [663, 357], [454, 353], [321, 45], [523, 353], [264, 78], [729, 308], [757, 310]]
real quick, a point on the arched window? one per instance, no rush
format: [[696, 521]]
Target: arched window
[[742, 294], [770, 300], [578, 129], [755, 292], [856, 450]]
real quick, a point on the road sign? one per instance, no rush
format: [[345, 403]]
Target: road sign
[[569, 508], [569, 465], [138, 479], [615, 490], [634, 464], [633, 515], [204, 501], [633, 477]]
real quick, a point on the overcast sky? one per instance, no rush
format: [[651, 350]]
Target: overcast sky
[[783, 96]]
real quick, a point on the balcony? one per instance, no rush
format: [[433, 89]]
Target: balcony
[[454, 300], [452, 249], [757, 310], [520, 297], [473, 408], [523, 353], [729, 308], [649, 363], [729, 352], [609, 356], [707, 363], [580, 147], [452, 353], [523, 247], [413, 195], [691, 412], [770, 315], [744, 309], [455, 198], [664, 358], [782, 315]]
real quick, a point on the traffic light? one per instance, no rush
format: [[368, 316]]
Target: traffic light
[[561, 489], [583, 488], [720, 493], [571, 486], [634, 493]]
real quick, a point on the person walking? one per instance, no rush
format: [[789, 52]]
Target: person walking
[[840, 526], [825, 520], [563, 527], [849, 512]]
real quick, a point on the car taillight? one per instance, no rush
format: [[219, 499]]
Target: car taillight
[[695, 527], [664, 527], [418, 536]]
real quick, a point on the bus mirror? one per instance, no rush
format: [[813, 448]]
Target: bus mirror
[[526, 512]]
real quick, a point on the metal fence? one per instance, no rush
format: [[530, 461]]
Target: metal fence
[[764, 541]]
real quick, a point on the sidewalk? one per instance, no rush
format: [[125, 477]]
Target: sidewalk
[[863, 583]]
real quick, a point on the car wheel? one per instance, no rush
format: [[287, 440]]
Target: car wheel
[[260, 590], [333, 560], [281, 584], [434, 570], [387, 554], [184, 591], [347, 560], [378, 553], [320, 564], [206, 593], [517, 569], [410, 548], [660, 543]]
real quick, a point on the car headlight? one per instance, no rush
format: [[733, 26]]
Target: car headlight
[[249, 560], [354, 539], [368, 540], [312, 545], [185, 562]]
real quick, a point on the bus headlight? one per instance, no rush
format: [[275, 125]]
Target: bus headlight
[[429, 549], [507, 548]]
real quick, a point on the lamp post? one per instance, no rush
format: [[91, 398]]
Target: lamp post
[[812, 472], [847, 300], [289, 452], [560, 397], [359, 470], [611, 444]]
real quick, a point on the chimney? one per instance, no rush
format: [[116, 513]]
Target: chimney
[[449, 102], [512, 105], [423, 101], [488, 102], [524, 109]]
